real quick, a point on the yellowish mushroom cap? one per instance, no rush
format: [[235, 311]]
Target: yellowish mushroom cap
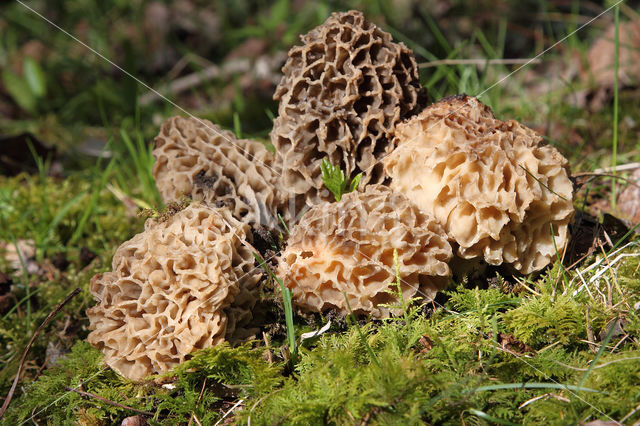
[[199, 159], [348, 247], [499, 192], [181, 285]]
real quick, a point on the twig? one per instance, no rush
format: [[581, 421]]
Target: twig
[[266, 343], [49, 317], [230, 411], [107, 401], [263, 66], [478, 61], [620, 168], [193, 415]]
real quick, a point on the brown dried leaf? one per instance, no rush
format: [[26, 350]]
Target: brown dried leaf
[[509, 342], [629, 199], [601, 59], [426, 343]]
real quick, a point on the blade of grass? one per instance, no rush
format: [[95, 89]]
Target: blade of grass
[[614, 155], [20, 302], [593, 363], [92, 204], [374, 358], [288, 308], [286, 228], [237, 127], [531, 386], [561, 266], [61, 214]]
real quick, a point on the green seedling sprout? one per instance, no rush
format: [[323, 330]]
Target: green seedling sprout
[[335, 180]]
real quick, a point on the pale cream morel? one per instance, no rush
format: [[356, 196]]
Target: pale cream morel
[[498, 190], [181, 285], [348, 246]]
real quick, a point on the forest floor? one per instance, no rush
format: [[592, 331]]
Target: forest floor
[[76, 133]]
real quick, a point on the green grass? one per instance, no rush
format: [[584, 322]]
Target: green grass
[[614, 153], [514, 352]]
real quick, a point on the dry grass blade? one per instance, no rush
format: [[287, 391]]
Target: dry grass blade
[[479, 62], [230, 411]]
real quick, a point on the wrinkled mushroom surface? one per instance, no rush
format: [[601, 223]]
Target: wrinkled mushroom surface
[[495, 187], [348, 247], [198, 159], [181, 285], [342, 93]]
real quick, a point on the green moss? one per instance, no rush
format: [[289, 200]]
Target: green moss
[[48, 399], [63, 215], [543, 320]]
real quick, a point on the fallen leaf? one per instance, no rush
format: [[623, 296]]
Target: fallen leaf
[[509, 342], [426, 344], [615, 326], [601, 59], [629, 200]]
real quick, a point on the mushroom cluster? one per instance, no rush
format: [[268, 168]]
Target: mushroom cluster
[[181, 285], [346, 249], [442, 180], [499, 192], [343, 91]]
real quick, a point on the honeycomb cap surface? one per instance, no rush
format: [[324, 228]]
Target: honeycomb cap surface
[[197, 158], [343, 91], [348, 246], [493, 185], [181, 285]]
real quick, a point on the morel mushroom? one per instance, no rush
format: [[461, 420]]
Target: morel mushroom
[[496, 188], [348, 247], [200, 160], [342, 93], [181, 285]]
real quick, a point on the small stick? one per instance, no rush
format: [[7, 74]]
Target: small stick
[[620, 168], [230, 411], [49, 317], [197, 420], [478, 61], [193, 415], [266, 343], [107, 401], [590, 336]]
